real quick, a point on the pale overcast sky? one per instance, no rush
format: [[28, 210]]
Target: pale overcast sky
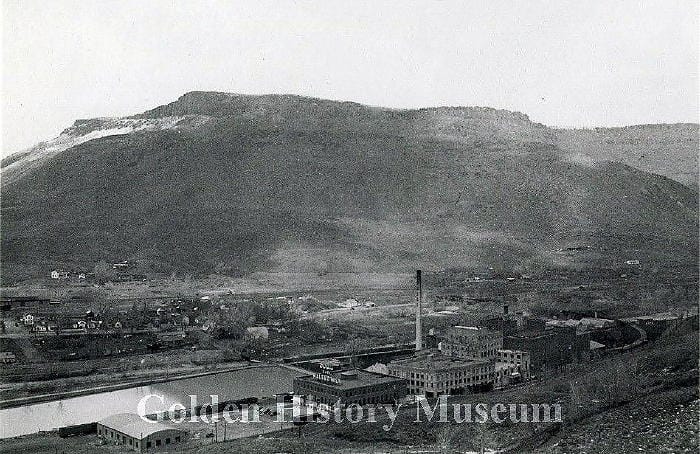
[[564, 63]]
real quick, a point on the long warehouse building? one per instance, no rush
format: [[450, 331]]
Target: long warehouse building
[[131, 431]]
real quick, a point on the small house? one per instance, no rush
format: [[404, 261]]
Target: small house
[[349, 303], [258, 332], [123, 265], [7, 357]]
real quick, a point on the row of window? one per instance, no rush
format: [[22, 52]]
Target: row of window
[[474, 339], [313, 387], [451, 382], [123, 439], [450, 349], [457, 374], [384, 398]]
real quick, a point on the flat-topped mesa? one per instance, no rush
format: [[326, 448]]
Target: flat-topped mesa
[[286, 185], [484, 124], [292, 112], [220, 103], [475, 112]]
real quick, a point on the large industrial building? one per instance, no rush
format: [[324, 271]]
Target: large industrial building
[[467, 362], [432, 374], [472, 342], [550, 348], [136, 434], [350, 386], [516, 358], [471, 358], [512, 366]]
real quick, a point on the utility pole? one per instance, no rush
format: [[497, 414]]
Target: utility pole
[[481, 449], [419, 308]]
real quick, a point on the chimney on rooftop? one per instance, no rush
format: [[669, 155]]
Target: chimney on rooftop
[[419, 304]]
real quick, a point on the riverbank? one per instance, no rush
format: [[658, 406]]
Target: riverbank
[[153, 377]]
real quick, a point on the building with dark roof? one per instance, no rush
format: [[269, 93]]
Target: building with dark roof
[[551, 348], [143, 436], [351, 386], [432, 375]]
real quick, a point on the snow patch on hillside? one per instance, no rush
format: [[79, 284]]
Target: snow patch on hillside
[[81, 132]]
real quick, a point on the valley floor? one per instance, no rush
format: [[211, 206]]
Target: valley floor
[[653, 407]]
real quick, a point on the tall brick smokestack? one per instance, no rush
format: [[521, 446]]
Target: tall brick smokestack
[[419, 315]]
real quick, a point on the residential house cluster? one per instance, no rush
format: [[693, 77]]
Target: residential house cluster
[[63, 275], [42, 322], [168, 315]]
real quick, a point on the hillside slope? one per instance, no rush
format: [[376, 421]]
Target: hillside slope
[[237, 184], [668, 150]]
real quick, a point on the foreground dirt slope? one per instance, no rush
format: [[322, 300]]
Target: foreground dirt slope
[[668, 423]]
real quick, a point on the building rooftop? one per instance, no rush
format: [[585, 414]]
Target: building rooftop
[[503, 366], [593, 345], [478, 330], [512, 350], [549, 331], [348, 379], [656, 317], [132, 425], [437, 361]]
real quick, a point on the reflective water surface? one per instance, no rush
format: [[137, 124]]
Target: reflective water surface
[[259, 382]]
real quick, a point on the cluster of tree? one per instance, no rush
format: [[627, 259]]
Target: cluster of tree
[[306, 330], [232, 322]]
